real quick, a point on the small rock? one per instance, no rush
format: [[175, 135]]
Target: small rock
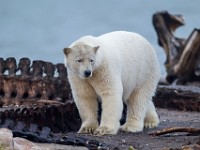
[[123, 141], [7, 142], [6, 139], [23, 144]]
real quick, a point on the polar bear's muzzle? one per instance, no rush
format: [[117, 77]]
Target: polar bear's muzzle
[[85, 70], [87, 73]]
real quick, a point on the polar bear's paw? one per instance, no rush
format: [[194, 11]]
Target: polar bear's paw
[[88, 129], [151, 122], [132, 127], [103, 130]]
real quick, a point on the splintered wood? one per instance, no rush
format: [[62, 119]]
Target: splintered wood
[[183, 55]]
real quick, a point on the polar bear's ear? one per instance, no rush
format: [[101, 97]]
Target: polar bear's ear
[[66, 51], [95, 49]]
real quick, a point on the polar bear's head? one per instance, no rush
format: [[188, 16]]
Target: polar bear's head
[[80, 59]]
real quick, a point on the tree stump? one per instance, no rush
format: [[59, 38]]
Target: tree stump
[[183, 55]]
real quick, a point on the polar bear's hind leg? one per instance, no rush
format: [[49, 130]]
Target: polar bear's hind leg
[[151, 119], [137, 106]]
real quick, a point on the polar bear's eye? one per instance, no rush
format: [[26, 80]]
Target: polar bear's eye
[[91, 60], [79, 60]]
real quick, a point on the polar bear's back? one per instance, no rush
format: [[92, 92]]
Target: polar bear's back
[[126, 42], [132, 48], [138, 62]]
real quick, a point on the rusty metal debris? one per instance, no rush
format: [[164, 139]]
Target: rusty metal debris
[[41, 80], [39, 93], [59, 117]]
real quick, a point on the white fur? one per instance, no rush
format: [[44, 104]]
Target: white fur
[[126, 68]]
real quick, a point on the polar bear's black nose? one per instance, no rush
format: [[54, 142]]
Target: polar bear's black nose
[[87, 73]]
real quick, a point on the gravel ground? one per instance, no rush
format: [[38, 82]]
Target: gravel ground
[[143, 141]]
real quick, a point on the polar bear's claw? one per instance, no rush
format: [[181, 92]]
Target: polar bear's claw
[[151, 122], [87, 130], [105, 130]]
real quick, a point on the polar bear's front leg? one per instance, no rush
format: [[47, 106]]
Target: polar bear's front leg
[[86, 102], [109, 88], [112, 107], [87, 106]]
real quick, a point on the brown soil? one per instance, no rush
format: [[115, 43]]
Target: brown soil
[[143, 141]]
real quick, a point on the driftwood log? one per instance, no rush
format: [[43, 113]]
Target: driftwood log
[[191, 131], [183, 55], [179, 97]]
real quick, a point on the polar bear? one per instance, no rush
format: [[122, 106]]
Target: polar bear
[[117, 66]]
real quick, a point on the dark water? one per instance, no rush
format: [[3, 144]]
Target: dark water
[[40, 29]]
